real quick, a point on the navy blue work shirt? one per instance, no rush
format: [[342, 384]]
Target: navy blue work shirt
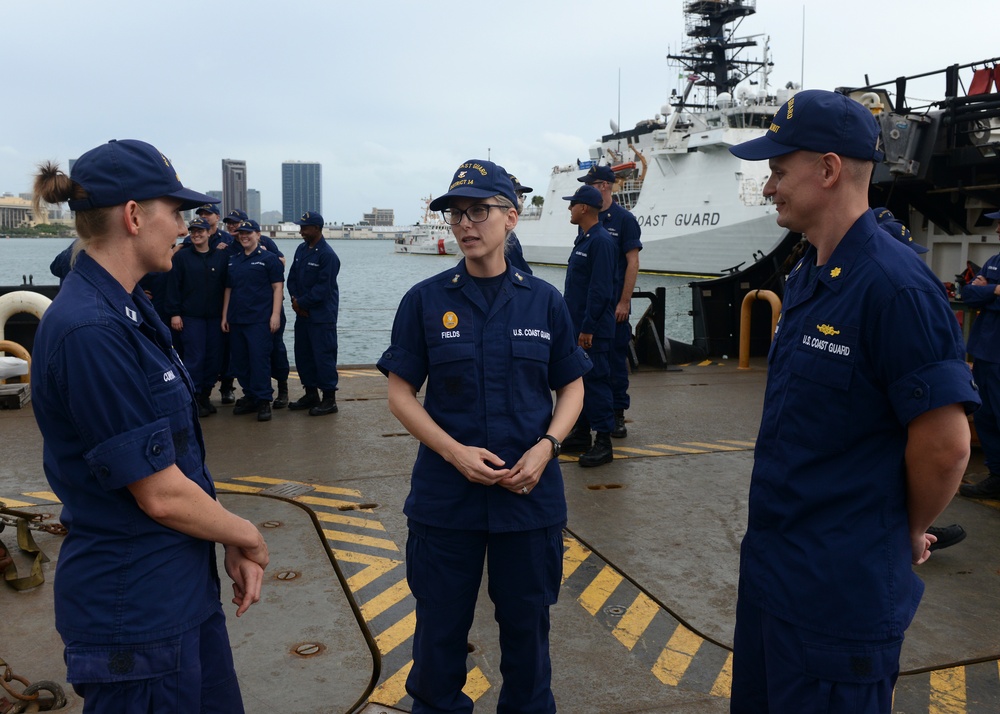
[[589, 290], [312, 281], [984, 337], [860, 351], [624, 230], [196, 283], [515, 254], [265, 241], [114, 405], [490, 371], [251, 277]]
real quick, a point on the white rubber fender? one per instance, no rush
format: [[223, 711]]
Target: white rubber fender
[[21, 301]]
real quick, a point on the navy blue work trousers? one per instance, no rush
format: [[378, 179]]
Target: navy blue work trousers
[[444, 568], [598, 401], [316, 353], [201, 339], [619, 365], [780, 668], [279, 353], [987, 376], [250, 347]]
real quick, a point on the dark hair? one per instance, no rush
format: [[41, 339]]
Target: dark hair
[[53, 186]]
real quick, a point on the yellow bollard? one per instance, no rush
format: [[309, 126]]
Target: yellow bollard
[[748, 299]]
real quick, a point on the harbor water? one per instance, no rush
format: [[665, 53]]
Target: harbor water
[[372, 281]]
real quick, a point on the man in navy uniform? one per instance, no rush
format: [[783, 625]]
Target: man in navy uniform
[[312, 285], [217, 238], [625, 232], [863, 438], [589, 294]]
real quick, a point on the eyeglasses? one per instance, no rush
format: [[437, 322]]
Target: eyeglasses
[[477, 213]]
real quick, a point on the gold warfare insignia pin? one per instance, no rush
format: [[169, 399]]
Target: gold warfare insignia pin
[[835, 273], [827, 330], [450, 320]]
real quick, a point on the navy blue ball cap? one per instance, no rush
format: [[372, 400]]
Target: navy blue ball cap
[[894, 227], [477, 178], [817, 120], [598, 173], [310, 218], [199, 223], [248, 226], [126, 170], [235, 216], [587, 195], [995, 216], [209, 208], [519, 188]]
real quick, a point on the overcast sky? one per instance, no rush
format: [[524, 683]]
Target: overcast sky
[[391, 96]]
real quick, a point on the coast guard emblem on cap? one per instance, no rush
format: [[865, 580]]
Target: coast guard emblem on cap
[[131, 314], [835, 273], [827, 330], [450, 320], [305, 216], [461, 174]]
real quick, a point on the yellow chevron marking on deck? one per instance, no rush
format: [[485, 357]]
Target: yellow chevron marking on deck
[[575, 554], [635, 620], [677, 656], [599, 590], [356, 539], [377, 567], [679, 449], [638, 452], [13, 503], [320, 501], [316, 487], [393, 689], [236, 488], [948, 691], [395, 635], [738, 443], [723, 686], [476, 684], [384, 600], [705, 363], [712, 447], [43, 495], [349, 520]]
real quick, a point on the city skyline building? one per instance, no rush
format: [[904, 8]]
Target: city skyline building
[[380, 217], [234, 185], [253, 204], [301, 188]]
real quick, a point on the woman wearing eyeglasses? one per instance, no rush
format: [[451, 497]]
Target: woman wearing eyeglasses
[[491, 343]]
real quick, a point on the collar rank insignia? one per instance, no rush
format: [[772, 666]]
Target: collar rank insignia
[[455, 279], [131, 314], [519, 277], [835, 273]]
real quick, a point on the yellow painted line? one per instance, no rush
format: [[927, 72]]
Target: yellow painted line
[[705, 363], [393, 689], [316, 487], [359, 372], [236, 488], [44, 495], [397, 634], [738, 443], [723, 686], [13, 503], [948, 691], [635, 620], [638, 452], [575, 554], [713, 447], [599, 590], [476, 684], [356, 539], [377, 567], [327, 502], [678, 449], [384, 600], [349, 520], [677, 656]]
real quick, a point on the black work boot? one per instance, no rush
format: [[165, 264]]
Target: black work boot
[[205, 407], [263, 410], [282, 399], [989, 487], [601, 453], [620, 431], [578, 441], [226, 390], [327, 406], [307, 401], [947, 536], [245, 405]]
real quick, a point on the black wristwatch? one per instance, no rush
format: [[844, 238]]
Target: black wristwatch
[[556, 444]]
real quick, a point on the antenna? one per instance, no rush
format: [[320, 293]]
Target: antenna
[[802, 71]]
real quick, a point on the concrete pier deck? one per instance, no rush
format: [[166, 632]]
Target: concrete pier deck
[[645, 615]]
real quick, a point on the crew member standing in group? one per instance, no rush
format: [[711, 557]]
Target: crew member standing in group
[[312, 286], [492, 344], [984, 347], [232, 223], [217, 238], [137, 588], [251, 313], [590, 296], [625, 232], [195, 288], [863, 437], [514, 252]]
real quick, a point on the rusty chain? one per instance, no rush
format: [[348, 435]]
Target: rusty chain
[[29, 698]]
